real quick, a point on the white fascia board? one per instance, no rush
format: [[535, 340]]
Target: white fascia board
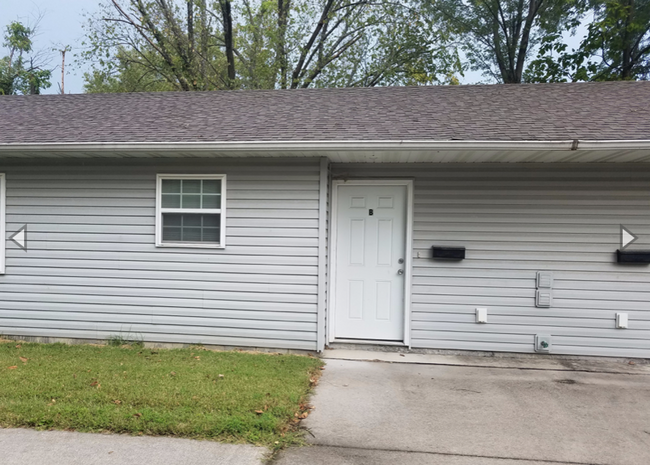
[[614, 145], [254, 146], [325, 146]]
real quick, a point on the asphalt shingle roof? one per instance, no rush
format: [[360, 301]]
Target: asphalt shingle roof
[[534, 112]]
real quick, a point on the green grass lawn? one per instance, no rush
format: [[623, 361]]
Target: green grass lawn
[[195, 393]]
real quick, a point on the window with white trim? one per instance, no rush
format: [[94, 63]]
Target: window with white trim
[[3, 191], [191, 210]]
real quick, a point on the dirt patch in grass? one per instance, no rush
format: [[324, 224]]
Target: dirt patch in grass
[[193, 393]]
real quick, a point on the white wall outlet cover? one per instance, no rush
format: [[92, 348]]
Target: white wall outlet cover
[[621, 320], [542, 343], [481, 315]]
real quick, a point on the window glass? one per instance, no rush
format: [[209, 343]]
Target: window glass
[[211, 186], [171, 186], [190, 227], [171, 201], [191, 201], [194, 227], [211, 201], [191, 193], [191, 186]]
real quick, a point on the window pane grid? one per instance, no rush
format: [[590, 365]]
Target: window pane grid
[[190, 210], [180, 227], [191, 193]]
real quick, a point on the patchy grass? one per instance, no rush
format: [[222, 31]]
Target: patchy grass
[[119, 340], [194, 393]]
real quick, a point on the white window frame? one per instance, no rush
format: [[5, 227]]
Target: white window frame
[[221, 211], [3, 226]]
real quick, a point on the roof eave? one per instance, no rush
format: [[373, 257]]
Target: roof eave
[[320, 146]]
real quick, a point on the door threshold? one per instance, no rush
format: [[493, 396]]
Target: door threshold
[[377, 342]]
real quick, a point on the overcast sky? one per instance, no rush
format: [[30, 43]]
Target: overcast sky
[[61, 25]]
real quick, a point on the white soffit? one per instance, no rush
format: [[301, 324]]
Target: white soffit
[[569, 151]]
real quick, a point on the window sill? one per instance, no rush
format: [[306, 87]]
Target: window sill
[[190, 245]]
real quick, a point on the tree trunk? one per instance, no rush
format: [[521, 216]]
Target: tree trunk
[[284, 7], [63, 71], [498, 53], [626, 62], [228, 40], [190, 33], [533, 9], [205, 37], [298, 69], [33, 88]]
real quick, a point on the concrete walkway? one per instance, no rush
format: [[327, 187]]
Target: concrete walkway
[[586, 364], [393, 413], [24, 446]]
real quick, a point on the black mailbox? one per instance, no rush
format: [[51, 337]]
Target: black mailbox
[[450, 253], [633, 256]]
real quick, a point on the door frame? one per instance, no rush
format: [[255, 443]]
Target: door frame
[[408, 255], [3, 222]]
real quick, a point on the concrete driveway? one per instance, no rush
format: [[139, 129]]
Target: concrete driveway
[[393, 413], [25, 447]]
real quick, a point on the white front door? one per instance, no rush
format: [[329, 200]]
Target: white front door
[[370, 261]]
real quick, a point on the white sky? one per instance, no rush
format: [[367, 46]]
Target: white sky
[[61, 25]]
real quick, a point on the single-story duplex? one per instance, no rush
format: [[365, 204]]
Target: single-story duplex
[[512, 218]]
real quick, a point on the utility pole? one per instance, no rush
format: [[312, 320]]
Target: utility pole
[[66, 49]]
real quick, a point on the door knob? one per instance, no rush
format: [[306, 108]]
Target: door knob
[[400, 271]]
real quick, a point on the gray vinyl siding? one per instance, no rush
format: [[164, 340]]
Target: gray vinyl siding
[[92, 269], [516, 220]]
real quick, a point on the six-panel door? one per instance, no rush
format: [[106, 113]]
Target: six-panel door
[[370, 262]]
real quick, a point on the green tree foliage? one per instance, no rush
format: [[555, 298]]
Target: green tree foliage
[[138, 45], [498, 36], [617, 47], [18, 72]]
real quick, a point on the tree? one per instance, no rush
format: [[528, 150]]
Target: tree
[[498, 36], [201, 45], [20, 74], [617, 47], [131, 75], [158, 43], [377, 43]]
